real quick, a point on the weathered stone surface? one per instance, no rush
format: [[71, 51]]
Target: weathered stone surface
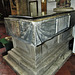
[[41, 45], [38, 60], [15, 66], [51, 71]]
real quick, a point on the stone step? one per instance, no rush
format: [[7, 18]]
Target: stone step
[[43, 57], [30, 63], [15, 66], [43, 67], [21, 63], [18, 52], [27, 56], [52, 51], [51, 71], [58, 64]]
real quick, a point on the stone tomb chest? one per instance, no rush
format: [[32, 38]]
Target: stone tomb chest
[[40, 44]]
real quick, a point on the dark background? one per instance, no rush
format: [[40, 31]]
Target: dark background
[[5, 8]]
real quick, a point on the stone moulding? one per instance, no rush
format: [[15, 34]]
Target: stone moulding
[[38, 31]]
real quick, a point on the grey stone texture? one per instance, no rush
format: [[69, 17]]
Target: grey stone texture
[[51, 52], [39, 60]]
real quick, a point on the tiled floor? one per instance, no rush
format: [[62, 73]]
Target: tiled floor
[[68, 68]]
